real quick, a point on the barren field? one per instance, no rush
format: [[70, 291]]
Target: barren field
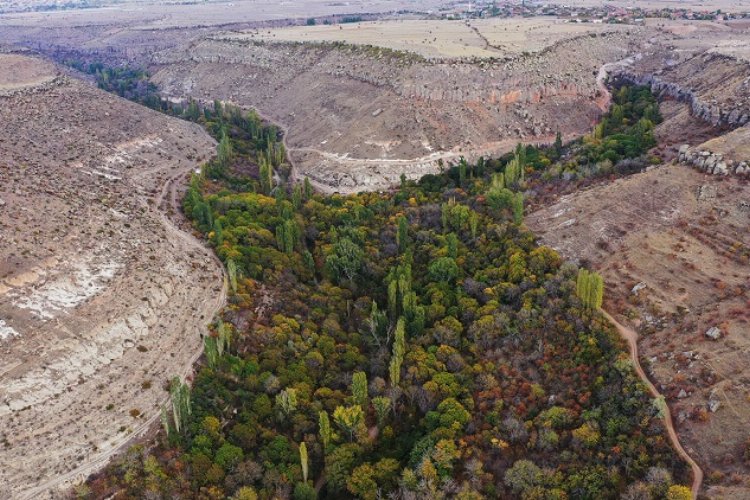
[[102, 297], [673, 247], [185, 14], [441, 39], [18, 73]]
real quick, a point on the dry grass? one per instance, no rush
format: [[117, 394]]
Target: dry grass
[[441, 39]]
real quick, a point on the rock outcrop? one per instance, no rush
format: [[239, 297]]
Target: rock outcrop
[[715, 86], [712, 163]]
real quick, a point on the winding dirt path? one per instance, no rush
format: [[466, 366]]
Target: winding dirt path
[[632, 339]]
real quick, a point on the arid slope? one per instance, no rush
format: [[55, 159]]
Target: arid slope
[[673, 247], [102, 297]]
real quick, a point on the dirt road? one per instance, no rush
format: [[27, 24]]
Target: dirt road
[[632, 339]]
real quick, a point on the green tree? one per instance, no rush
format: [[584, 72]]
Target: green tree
[[232, 273], [382, 406], [590, 289], [558, 146], [324, 425], [224, 150], [361, 482], [345, 260], [304, 491], [359, 389], [399, 349], [443, 269], [179, 394], [340, 463], [402, 236], [228, 456]]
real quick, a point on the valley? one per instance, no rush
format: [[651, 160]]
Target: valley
[[137, 242]]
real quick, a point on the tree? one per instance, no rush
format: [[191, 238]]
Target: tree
[[558, 146], [382, 406], [402, 236], [462, 172], [304, 491], [211, 350], [324, 425], [524, 475], [397, 357], [361, 482], [245, 493], [308, 188], [286, 402], [265, 173], [590, 289], [443, 269], [518, 208], [224, 150], [473, 223], [350, 419], [340, 463], [345, 260], [679, 492], [179, 394], [303, 460], [232, 272], [359, 389], [228, 456]]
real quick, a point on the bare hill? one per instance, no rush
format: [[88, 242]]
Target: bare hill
[[102, 297]]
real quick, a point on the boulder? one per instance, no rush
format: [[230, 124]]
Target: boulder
[[637, 288], [713, 333]]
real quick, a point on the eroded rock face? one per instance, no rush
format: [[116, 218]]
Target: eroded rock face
[[716, 86], [357, 121], [102, 297], [711, 163]]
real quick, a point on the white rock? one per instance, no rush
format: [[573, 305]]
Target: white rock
[[713, 333], [637, 288]]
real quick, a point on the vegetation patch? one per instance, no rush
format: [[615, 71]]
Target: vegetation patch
[[416, 342]]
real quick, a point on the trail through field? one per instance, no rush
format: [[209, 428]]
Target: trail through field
[[631, 337]]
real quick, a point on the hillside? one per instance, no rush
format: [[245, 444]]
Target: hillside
[[95, 277]]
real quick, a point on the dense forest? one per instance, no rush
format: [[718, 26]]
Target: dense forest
[[410, 344]]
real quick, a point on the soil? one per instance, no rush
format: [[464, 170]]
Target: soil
[[103, 298]]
